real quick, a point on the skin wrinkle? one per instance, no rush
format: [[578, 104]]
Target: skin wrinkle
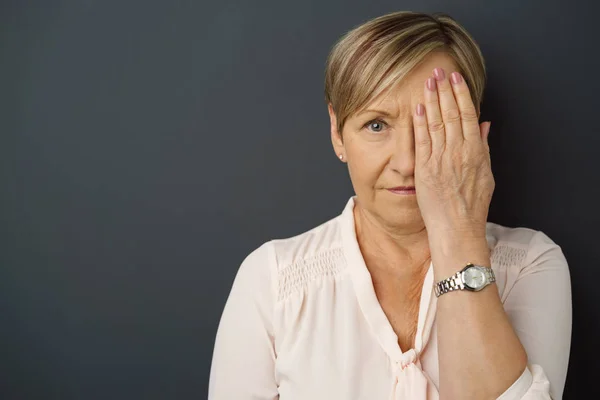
[[401, 308]]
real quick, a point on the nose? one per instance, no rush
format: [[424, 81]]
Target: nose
[[402, 153]]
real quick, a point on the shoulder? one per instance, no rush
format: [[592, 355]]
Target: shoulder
[[312, 243], [509, 246], [287, 264], [520, 251], [307, 257], [518, 245]]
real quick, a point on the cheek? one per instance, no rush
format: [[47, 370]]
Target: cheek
[[373, 154], [365, 165]]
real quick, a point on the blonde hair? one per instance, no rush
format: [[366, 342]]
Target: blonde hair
[[372, 57]]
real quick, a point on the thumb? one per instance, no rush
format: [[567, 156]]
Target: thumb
[[485, 131]]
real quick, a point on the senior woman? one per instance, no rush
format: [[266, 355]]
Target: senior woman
[[409, 293]]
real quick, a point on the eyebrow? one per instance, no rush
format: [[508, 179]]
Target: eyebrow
[[382, 112]]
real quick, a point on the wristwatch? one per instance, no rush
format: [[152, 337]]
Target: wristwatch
[[472, 277]]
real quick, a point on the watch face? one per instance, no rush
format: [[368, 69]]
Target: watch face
[[474, 277]]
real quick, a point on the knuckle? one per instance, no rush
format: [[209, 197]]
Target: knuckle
[[436, 126], [469, 114], [431, 102], [420, 122], [451, 115], [423, 143], [443, 89]]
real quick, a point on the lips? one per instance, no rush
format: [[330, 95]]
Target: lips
[[403, 188]]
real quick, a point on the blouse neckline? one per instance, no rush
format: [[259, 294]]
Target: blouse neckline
[[369, 304]]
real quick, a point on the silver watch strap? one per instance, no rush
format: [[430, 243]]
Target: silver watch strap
[[489, 273], [449, 284]]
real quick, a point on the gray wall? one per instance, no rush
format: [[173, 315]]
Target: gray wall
[[147, 147]]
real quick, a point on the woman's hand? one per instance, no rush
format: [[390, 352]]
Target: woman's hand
[[453, 176]]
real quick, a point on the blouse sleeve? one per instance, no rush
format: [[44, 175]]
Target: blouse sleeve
[[244, 354], [539, 308]]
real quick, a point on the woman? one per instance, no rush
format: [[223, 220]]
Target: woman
[[395, 297]]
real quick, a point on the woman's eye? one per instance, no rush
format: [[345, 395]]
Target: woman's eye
[[376, 124]]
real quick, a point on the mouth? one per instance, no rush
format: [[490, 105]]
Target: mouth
[[403, 190], [398, 188]]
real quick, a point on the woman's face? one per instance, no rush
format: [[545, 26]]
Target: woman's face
[[379, 147]]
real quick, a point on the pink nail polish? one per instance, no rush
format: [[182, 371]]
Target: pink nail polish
[[439, 74], [431, 85], [456, 78], [420, 109]]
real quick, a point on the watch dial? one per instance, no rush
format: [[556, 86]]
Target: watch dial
[[474, 277]]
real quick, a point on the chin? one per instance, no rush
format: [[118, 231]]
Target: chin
[[403, 216], [397, 214]]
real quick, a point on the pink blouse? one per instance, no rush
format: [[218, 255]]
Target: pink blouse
[[302, 321]]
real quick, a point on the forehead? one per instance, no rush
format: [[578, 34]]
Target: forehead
[[403, 96]]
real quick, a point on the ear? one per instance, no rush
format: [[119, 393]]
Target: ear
[[336, 137]]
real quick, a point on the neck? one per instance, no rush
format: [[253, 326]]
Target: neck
[[401, 250]]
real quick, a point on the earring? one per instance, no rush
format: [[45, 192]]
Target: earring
[[341, 157]]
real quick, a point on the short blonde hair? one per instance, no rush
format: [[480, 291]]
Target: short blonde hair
[[372, 57]]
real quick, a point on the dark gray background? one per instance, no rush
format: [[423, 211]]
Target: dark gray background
[[147, 147]]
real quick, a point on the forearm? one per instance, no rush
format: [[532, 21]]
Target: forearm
[[480, 356]]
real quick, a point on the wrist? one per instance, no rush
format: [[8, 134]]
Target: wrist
[[457, 245], [450, 255]]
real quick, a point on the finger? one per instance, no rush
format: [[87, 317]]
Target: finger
[[449, 109], [485, 130], [468, 114], [435, 123], [482, 129], [422, 137]]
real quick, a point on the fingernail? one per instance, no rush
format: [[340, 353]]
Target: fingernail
[[431, 84], [439, 74], [456, 78]]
